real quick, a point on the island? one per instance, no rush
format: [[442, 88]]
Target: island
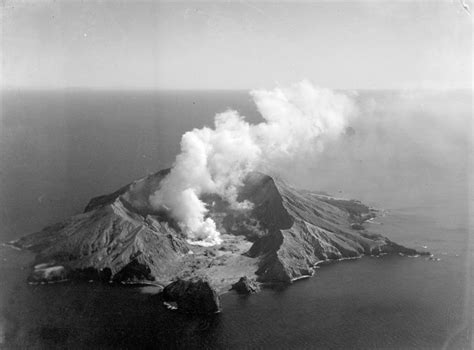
[[281, 238]]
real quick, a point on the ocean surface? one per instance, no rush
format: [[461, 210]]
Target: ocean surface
[[410, 154]]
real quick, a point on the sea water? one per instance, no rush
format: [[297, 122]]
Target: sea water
[[409, 156]]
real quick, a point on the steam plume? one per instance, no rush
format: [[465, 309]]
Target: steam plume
[[297, 122]]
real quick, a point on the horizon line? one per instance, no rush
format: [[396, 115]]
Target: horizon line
[[131, 89]]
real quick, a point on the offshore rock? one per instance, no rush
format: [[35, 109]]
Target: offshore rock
[[192, 296]]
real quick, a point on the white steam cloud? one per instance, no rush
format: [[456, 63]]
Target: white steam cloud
[[297, 122]]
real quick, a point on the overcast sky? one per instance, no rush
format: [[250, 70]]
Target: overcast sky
[[236, 45]]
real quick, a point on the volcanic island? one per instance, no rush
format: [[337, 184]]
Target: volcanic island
[[281, 238]]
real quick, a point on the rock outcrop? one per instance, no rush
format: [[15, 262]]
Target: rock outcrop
[[192, 296], [245, 286], [121, 238]]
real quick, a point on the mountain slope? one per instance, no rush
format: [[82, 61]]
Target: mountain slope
[[304, 229]]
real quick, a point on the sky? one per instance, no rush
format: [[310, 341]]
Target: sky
[[235, 45]]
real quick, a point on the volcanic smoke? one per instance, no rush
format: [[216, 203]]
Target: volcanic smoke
[[298, 120]]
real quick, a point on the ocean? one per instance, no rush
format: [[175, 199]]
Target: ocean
[[410, 155]]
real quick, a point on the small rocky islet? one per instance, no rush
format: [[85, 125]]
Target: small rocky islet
[[121, 238]]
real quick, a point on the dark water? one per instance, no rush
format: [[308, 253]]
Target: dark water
[[410, 155]]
